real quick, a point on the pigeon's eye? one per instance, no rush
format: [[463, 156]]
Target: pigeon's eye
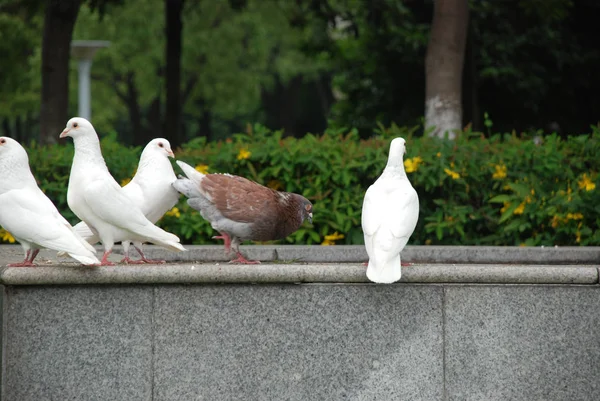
[[75, 125], [160, 145], [2, 141]]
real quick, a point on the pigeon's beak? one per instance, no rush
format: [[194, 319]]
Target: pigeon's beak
[[65, 133], [170, 153], [310, 218]]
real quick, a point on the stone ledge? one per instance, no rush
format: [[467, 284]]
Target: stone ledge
[[267, 273], [357, 253], [416, 254]]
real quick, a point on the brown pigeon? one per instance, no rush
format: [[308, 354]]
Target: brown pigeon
[[240, 209]]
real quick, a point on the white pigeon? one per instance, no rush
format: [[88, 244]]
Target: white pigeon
[[389, 217], [150, 190], [29, 215], [98, 200]]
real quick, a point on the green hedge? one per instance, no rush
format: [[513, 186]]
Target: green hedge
[[504, 189]]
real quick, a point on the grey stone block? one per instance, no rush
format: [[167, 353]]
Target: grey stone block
[[499, 274], [302, 342], [522, 343], [77, 343]]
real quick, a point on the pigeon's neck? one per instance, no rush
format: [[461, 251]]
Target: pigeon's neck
[[395, 166], [87, 151], [15, 174], [155, 167]]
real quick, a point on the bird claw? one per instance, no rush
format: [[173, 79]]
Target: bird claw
[[242, 260], [21, 264]]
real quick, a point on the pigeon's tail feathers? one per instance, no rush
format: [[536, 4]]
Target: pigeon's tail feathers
[[86, 259], [174, 246], [384, 271], [190, 172], [187, 187], [84, 231], [160, 237]]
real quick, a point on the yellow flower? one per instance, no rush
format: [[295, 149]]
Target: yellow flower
[[330, 239], [174, 213], [438, 154], [500, 172], [555, 221], [452, 174], [411, 165], [505, 207], [586, 183], [244, 154], [520, 209], [574, 216], [125, 181], [6, 236], [202, 168], [427, 242]]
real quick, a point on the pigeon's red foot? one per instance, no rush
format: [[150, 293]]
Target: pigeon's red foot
[[242, 260], [105, 261], [365, 264], [225, 237], [405, 264], [24, 263]]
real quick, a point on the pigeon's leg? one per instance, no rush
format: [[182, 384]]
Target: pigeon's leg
[[240, 257], [28, 261], [143, 259], [405, 264], [225, 237], [126, 258], [105, 261]]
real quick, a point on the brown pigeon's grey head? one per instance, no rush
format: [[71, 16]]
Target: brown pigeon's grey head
[[306, 208]]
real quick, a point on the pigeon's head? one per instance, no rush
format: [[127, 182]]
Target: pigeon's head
[[77, 126], [398, 147], [9, 145], [160, 146], [306, 208], [11, 149]]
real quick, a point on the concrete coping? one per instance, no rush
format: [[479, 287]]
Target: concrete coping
[[317, 264]]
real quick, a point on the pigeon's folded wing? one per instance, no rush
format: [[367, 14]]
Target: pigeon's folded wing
[[28, 217], [108, 201], [404, 213], [373, 214]]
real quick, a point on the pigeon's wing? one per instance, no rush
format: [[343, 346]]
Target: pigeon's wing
[[134, 192], [389, 218], [238, 198], [28, 214], [108, 201]]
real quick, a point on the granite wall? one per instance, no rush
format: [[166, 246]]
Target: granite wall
[[301, 342]]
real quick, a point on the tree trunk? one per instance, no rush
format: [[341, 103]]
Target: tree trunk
[[443, 67], [59, 21], [173, 29]]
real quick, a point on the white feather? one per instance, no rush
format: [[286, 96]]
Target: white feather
[[389, 217], [98, 200], [28, 214], [150, 189]]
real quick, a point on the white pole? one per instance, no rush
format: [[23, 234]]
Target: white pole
[[84, 69]]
